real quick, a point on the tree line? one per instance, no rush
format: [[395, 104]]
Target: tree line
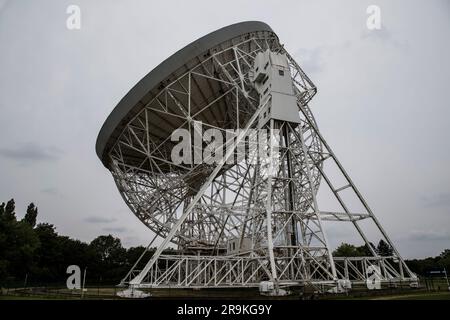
[[34, 253], [422, 267]]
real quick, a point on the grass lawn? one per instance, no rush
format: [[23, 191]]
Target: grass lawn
[[418, 296], [110, 293]]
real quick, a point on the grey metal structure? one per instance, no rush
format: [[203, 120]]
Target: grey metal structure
[[235, 223]]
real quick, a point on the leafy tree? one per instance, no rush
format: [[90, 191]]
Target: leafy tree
[[349, 250], [134, 253], [444, 260], [49, 254], [365, 251], [4, 230], [24, 243], [346, 250], [445, 254], [10, 208], [2, 209], [31, 215], [18, 244], [384, 249], [110, 258], [108, 248]]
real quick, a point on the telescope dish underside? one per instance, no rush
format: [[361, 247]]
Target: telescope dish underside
[[250, 217], [156, 189]]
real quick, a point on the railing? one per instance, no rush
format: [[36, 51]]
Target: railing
[[182, 271]]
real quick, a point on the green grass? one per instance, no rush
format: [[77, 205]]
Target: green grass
[[418, 296], [110, 293]]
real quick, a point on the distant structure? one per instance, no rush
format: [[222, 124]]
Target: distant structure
[[247, 220]]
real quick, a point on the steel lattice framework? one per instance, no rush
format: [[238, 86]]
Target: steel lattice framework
[[273, 215]]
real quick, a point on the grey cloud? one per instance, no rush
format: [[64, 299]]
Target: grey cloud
[[115, 229], [51, 191], [435, 201], [30, 152], [383, 35], [96, 219], [310, 60], [131, 241], [429, 235], [3, 5]]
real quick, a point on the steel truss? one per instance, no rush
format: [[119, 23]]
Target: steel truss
[[300, 269], [202, 207]]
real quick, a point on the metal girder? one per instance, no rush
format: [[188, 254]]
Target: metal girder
[[275, 219]]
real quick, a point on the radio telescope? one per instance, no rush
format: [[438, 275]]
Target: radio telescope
[[247, 219]]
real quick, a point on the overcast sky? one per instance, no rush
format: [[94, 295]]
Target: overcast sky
[[382, 102]]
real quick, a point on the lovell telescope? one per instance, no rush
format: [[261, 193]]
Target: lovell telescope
[[241, 221]]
